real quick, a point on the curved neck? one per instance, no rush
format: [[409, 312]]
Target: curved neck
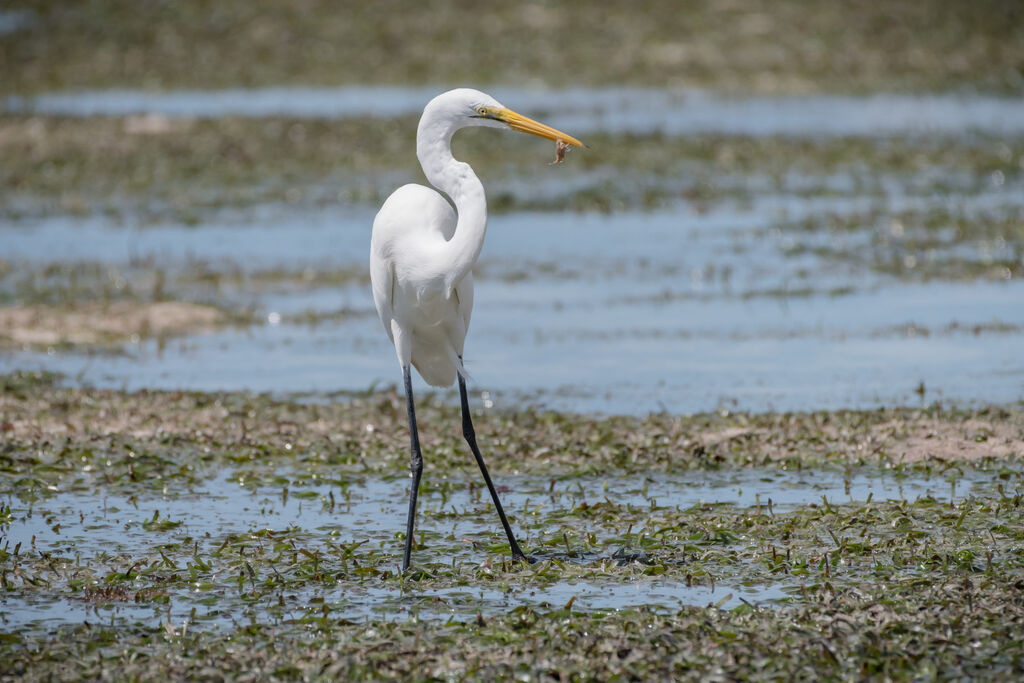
[[457, 180]]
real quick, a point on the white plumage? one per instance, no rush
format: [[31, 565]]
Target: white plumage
[[422, 276], [426, 324], [422, 253]]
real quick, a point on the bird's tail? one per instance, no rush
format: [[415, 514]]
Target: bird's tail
[[438, 367]]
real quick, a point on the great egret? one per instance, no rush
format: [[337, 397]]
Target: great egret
[[422, 254]]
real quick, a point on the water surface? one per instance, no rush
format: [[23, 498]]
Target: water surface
[[106, 530], [629, 312], [582, 110], [799, 292]]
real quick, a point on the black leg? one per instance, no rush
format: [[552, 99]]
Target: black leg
[[470, 434], [416, 466]]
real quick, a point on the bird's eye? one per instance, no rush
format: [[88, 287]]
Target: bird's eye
[[482, 111]]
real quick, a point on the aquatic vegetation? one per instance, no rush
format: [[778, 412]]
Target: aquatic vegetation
[[955, 242], [166, 531], [855, 46], [168, 534], [195, 166]]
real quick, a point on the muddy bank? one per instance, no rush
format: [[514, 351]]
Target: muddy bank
[[103, 324]]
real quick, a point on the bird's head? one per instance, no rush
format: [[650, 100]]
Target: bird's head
[[467, 107]]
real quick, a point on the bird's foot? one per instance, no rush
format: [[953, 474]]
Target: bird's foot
[[523, 557]]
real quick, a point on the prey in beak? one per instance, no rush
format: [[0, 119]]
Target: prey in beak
[[524, 124]]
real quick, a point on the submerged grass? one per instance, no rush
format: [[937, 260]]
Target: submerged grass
[[937, 243], [921, 586], [969, 629]]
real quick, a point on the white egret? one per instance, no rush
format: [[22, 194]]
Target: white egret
[[422, 254]]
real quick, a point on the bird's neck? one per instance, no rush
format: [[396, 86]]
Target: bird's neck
[[457, 180]]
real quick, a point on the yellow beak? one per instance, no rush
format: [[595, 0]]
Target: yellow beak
[[524, 124]]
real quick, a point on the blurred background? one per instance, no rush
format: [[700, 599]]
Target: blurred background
[[785, 205]]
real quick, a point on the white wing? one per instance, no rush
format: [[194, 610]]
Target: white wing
[[382, 281], [411, 213], [414, 224]]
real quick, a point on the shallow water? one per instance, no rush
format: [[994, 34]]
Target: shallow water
[[87, 527], [615, 110], [755, 303], [801, 354], [12, 21], [628, 312]]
